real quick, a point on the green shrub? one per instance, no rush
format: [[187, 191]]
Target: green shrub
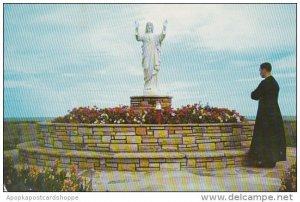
[[289, 180]]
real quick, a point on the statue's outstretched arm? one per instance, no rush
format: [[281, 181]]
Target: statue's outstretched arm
[[137, 34], [163, 33]]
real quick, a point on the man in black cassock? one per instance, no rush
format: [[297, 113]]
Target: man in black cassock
[[268, 143]]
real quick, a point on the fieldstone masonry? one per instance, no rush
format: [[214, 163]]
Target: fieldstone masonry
[[134, 147]]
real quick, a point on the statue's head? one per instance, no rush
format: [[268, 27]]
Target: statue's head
[[149, 27]]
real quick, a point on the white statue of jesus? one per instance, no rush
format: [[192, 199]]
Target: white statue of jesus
[[151, 56]]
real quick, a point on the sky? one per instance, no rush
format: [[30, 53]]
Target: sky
[[61, 56]]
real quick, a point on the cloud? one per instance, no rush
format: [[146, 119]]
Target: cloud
[[224, 27], [277, 75], [287, 62], [63, 55], [285, 75], [18, 84], [249, 79], [177, 85]]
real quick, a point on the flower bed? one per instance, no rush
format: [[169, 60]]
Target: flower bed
[[32, 178], [130, 115], [289, 180]]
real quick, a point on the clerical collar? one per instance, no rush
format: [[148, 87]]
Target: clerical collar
[[269, 76]]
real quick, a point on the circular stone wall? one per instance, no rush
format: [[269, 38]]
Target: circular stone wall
[[136, 147]]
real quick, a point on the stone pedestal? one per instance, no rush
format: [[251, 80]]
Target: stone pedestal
[[150, 101]]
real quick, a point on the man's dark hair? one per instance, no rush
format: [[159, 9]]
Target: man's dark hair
[[266, 66]]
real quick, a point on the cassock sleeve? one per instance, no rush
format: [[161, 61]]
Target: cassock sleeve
[[257, 94]]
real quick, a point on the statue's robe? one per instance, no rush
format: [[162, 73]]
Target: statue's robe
[[151, 57], [268, 142]]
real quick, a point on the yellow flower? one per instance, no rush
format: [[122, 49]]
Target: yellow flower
[[33, 171], [56, 162], [73, 169]]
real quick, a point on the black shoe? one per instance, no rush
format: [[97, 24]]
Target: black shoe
[[259, 164], [262, 164], [269, 164]]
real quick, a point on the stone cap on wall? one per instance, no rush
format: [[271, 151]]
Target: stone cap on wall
[[32, 147], [147, 125]]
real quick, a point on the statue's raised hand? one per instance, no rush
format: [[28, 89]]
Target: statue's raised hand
[[136, 24], [165, 23]]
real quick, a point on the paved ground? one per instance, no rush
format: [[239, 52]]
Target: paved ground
[[233, 179], [230, 179]]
